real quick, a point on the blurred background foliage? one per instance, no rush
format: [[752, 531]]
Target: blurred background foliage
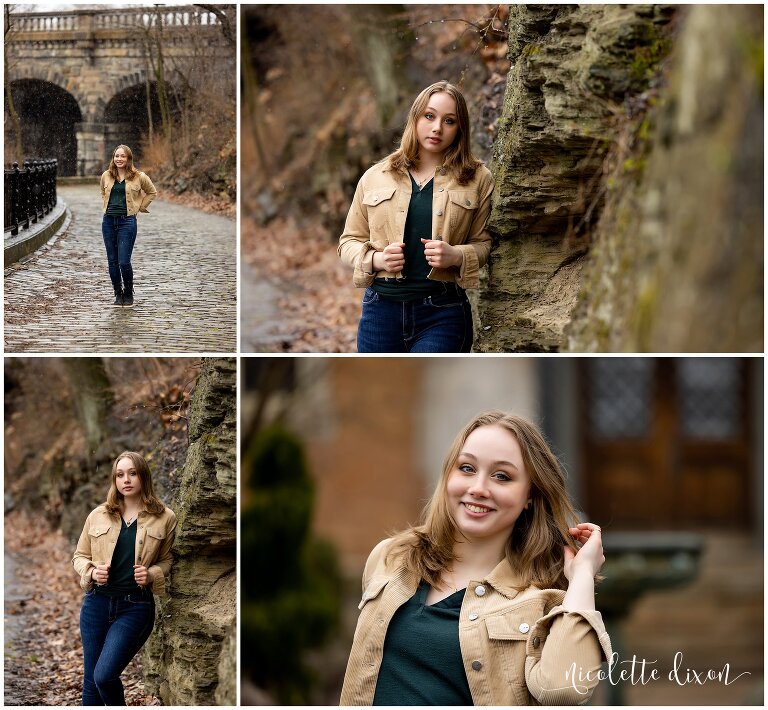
[[291, 581]]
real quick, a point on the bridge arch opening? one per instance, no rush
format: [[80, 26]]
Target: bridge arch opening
[[48, 115], [127, 115]]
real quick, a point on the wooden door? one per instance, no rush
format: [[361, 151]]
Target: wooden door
[[665, 442]]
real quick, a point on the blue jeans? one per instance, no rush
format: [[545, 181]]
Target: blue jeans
[[113, 629], [434, 324], [119, 237]]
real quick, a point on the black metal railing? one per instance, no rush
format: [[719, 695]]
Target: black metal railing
[[30, 193]]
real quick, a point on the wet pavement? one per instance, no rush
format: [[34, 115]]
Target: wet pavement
[[184, 261]]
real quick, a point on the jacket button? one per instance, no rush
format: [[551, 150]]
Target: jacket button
[[479, 590], [536, 642], [467, 203], [439, 213], [141, 542], [472, 617], [476, 665], [376, 198], [524, 628], [442, 189]]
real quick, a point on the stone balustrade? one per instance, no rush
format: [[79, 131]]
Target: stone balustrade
[[89, 20]]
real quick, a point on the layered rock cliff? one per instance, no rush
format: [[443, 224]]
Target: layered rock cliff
[[191, 657], [677, 262], [627, 167]]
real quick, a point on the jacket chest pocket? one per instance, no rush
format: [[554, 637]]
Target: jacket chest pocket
[[149, 546], [380, 207], [101, 551], [462, 208], [507, 638], [135, 192]]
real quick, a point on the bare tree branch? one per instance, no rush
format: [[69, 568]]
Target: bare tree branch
[[226, 25]]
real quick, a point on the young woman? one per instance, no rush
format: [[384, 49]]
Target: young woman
[[490, 601], [125, 192], [415, 233], [122, 557]]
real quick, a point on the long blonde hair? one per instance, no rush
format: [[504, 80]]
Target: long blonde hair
[[458, 156], [534, 548], [130, 170], [152, 504]]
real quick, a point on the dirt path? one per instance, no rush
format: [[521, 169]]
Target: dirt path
[[43, 656], [297, 296], [260, 329]]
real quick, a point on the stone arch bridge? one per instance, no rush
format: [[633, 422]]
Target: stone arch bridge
[[83, 80]]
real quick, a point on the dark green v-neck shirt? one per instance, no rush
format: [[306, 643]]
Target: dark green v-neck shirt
[[422, 663], [418, 225], [117, 205], [121, 579]]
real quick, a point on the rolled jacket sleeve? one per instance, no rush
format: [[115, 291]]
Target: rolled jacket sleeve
[[162, 566], [477, 247], [82, 560], [563, 643], [150, 193], [355, 248]]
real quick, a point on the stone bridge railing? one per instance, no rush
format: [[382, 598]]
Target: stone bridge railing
[[90, 20]]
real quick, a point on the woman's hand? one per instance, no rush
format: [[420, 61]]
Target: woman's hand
[[590, 557], [441, 255], [581, 567], [392, 259], [100, 574], [141, 575]]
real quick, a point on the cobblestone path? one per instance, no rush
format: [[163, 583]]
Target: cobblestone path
[[184, 262]]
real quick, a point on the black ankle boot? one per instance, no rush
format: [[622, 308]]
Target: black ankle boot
[[118, 297], [128, 297]]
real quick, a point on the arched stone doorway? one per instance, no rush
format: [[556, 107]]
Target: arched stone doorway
[[48, 116], [127, 118]]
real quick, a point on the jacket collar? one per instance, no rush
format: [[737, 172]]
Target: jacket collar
[[503, 579], [385, 168], [127, 179]]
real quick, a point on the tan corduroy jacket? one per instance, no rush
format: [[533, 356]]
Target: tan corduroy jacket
[[154, 538], [139, 191], [380, 207], [519, 648]]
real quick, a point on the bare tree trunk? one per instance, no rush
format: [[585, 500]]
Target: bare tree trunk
[[92, 392], [250, 92], [148, 86], [382, 37], [15, 120], [162, 93]]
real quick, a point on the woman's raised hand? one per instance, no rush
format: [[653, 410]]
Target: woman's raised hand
[[590, 557], [392, 259], [100, 574], [441, 255]]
